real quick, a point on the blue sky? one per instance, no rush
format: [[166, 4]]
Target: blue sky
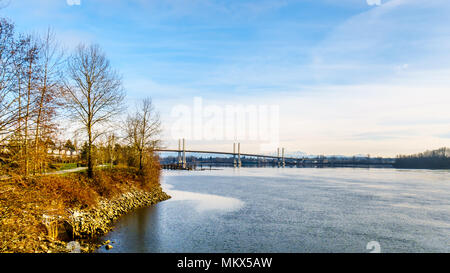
[[349, 77]]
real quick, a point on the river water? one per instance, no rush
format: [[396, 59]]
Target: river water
[[293, 210]]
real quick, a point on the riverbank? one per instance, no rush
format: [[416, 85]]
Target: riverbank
[[46, 214], [95, 222]]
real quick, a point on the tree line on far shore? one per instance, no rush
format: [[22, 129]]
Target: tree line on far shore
[[40, 83], [435, 159]]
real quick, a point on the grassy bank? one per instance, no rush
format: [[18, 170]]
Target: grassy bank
[[34, 212]]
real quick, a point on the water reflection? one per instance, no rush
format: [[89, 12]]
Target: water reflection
[[137, 224]]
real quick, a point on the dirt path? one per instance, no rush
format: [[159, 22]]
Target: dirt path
[[79, 169], [75, 170]]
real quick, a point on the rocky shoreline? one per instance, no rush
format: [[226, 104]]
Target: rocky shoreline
[[84, 226]]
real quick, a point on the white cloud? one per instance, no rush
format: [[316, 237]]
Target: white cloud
[[373, 2], [73, 2]]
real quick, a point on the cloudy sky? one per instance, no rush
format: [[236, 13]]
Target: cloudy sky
[[349, 76]]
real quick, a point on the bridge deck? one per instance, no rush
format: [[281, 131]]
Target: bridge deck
[[226, 153]]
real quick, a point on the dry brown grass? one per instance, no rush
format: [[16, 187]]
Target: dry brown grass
[[24, 202], [21, 213]]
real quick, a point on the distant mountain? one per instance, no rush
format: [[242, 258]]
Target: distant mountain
[[296, 154]]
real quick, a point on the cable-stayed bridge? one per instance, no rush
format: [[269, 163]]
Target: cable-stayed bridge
[[280, 160]]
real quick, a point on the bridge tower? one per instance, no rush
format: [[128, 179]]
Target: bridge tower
[[239, 155], [283, 163], [184, 154], [234, 155], [179, 153], [278, 157]]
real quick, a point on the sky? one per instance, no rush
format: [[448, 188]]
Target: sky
[[348, 77]]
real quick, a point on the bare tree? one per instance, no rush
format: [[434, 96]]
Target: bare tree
[[46, 98], [111, 143], [33, 70], [7, 79], [93, 92], [19, 74], [143, 129], [28, 101]]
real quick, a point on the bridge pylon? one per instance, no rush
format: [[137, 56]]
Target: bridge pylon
[[234, 155], [180, 162], [239, 155], [184, 154], [278, 157]]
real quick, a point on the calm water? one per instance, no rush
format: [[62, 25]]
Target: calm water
[[293, 210]]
